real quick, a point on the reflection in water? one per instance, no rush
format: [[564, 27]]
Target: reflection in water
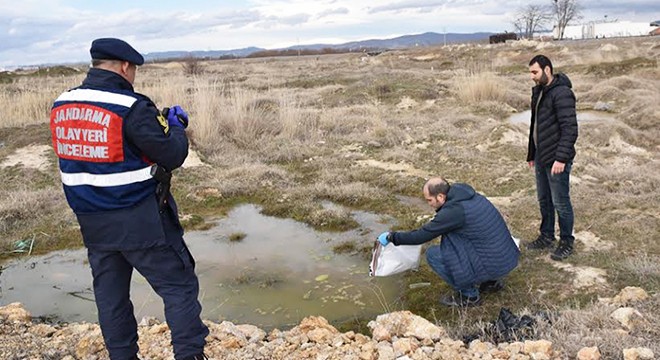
[[525, 116], [280, 272]]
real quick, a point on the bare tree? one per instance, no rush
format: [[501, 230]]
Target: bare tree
[[528, 19], [565, 11]]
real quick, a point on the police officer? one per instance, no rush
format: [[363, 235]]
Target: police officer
[[108, 139]]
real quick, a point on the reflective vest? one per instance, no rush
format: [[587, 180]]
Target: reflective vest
[[100, 170]]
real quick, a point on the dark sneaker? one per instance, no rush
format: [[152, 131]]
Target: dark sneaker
[[491, 286], [541, 242], [459, 300], [562, 251]]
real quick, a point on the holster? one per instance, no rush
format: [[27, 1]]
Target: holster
[[164, 178]]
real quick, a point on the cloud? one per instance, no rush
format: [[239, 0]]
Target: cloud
[[427, 5], [40, 31], [278, 21], [330, 12], [408, 5]]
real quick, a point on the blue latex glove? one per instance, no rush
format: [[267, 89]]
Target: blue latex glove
[[383, 238], [176, 116]]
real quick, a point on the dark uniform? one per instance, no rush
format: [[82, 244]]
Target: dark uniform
[[107, 138]]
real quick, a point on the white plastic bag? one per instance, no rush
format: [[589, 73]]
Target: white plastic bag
[[390, 259]]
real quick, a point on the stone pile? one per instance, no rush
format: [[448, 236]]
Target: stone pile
[[398, 335]]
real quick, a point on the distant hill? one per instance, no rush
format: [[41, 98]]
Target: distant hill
[[405, 41], [164, 55]]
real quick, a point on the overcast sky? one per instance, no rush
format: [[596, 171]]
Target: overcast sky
[[58, 31]]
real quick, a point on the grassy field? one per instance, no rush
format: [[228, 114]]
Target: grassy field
[[290, 132]]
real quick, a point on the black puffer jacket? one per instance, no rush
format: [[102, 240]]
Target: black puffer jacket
[[557, 122]]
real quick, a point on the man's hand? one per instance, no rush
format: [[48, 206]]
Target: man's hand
[[176, 116], [557, 168], [383, 238], [530, 164]]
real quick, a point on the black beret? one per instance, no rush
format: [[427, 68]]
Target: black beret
[[115, 49]]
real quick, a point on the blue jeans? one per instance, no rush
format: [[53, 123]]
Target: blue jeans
[[553, 194], [434, 258]]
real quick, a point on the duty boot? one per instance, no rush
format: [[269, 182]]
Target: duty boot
[[197, 357], [459, 300], [491, 286], [541, 242], [563, 251]]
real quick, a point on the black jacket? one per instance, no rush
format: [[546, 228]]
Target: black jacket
[[556, 121]]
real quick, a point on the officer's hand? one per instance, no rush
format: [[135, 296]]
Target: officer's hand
[[176, 116], [383, 238]]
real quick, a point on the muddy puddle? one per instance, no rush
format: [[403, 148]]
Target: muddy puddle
[[277, 273], [582, 116]]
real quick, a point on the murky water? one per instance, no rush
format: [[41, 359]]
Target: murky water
[[582, 116], [280, 272]]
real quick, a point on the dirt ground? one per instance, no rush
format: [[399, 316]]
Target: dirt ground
[[365, 131]]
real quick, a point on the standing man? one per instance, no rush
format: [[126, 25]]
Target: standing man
[[110, 140], [476, 249], [552, 135]]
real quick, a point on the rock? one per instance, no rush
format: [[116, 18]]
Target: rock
[[159, 329], [588, 353], [252, 333], [499, 354], [320, 335], [15, 312], [638, 354], [148, 321], [232, 343], [404, 346], [385, 351], [630, 294], [536, 348], [91, 344], [627, 317], [514, 348], [404, 324], [406, 103], [479, 348], [316, 326], [603, 106], [43, 330], [368, 351]]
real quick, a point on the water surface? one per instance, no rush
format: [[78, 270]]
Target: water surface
[[280, 272]]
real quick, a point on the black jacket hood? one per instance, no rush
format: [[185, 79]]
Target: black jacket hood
[[559, 79]]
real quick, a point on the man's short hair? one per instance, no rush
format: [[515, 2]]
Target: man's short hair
[[436, 188], [99, 62], [543, 62]]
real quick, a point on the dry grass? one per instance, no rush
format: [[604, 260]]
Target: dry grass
[[28, 100], [477, 87], [291, 133]]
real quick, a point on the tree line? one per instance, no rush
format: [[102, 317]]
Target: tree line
[[532, 17]]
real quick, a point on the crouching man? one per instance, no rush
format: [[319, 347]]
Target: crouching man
[[476, 249]]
